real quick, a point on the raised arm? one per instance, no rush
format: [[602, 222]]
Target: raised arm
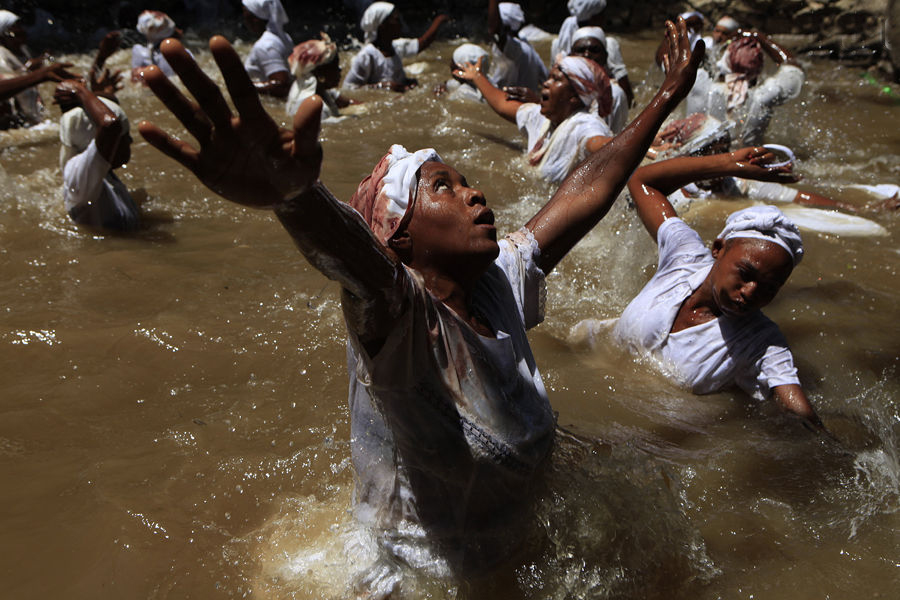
[[72, 92], [427, 38], [589, 191], [650, 185], [777, 52], [10, 86], [496, 98], [249, 160]]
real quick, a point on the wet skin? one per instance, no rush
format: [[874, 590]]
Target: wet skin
[[450, 228], [558, 98], [747, 274]]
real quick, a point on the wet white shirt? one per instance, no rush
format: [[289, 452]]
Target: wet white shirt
[[144, 56], [267, 56], [94, 195], [618, 116], [567, 143], [517, 65], [750, 352], [449, 427], [371, 66]]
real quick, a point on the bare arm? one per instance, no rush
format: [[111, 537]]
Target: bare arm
[[109, 128], [495, 97], [249, 160], [650, 185], [427, 38], [793, 399], [589, 191], [777, 52], [10, 86]]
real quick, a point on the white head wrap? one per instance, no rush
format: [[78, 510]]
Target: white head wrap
[[7, 20], [470, 53], [272, 12], [585, 9], [155, 25], [765, 223], [384, 197], [728, 24], [511, 15], [590, 32], [692, 13], [375, 15], [76, 130]]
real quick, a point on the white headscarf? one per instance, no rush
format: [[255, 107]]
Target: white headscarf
[[375, 15], [155, 25], [590, 32], [585, 9], [728, 24], [272, 12], [511, 15], [470, 53], [384, 197], [76, 129], [765, 223], [7, 20]]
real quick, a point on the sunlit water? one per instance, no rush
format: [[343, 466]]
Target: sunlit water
[[174, 419]]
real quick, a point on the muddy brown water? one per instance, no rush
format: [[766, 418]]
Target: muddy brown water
[[173, 417]]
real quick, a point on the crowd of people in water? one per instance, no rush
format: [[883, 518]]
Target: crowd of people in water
[[451, 422]]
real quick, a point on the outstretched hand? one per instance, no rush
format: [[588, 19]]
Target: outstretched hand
[[679, 60], [247, 158], [469, 71], [752, 163]]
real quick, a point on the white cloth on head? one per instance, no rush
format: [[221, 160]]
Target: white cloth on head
[[470, 53], [272, 12], [583, 10], [615, 64], [400, 182], [7, 20], [371, 66], [749, 351], [376, 14], [155, 25], [766, 223], [444, 417], [94, 196], [692, 13], [511, 15], [561, 148], [77, 130], [268, 56], [517, 65], [728, 24], [589, 32]]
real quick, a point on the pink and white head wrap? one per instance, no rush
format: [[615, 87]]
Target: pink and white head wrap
[[384, 198], [590, 81], [310, 54], [765, 223], [511, 15], [741, 63], [376, 14], [585, 9], [155, 25]]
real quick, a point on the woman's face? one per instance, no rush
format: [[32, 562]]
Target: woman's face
[[451, 226], [256, 25], [558, 98], [391, 28], [747, 274], [329, 74], [591, 48]]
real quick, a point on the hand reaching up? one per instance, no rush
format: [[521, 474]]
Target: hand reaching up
[[679, 60], [246, 158]]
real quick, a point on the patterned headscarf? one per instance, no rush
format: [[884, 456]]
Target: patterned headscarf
[[765, 223], [311, 54], [155, 25], [385, 197], [590, 81], [741, 63]]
